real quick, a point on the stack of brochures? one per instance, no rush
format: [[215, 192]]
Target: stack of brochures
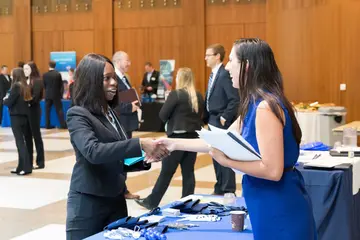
[[231, 143]]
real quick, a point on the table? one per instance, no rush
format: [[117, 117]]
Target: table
[[208, 230], [54, 121], [336, 209], [355, 124], [150, 117], [317, 126]]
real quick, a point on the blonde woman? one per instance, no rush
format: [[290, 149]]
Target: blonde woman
[[183, 113]]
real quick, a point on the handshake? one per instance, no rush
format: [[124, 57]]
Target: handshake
[[156, 150]]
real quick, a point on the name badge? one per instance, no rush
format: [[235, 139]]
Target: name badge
[[152, 79]]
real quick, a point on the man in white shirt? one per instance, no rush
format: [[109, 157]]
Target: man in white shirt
[[221, 106], [127, 111]]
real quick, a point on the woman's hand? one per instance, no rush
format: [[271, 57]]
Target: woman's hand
[[219, 156], [162, 143], [168, 143], [154, 152]]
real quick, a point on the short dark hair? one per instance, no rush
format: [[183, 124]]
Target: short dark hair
[[3, 66], [71, 70], [89, 84], [21, 64], [218, 49], [148, 64], [52, 64]]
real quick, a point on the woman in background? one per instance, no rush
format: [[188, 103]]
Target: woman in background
[[17, 102], [182, 111], [34, 81], [278, 204]]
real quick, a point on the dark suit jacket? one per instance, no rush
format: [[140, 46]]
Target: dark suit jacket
[[100, 151], [178, 113], [16, 103], [4, 86], [128, 119], [37, 91], [223, 101], [53, 85], [154, 82]]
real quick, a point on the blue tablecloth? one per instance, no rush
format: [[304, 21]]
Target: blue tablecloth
[[54, 121], [336, 210], [208, 230]]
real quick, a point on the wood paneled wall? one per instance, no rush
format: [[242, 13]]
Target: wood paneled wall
[[315, 42], [316, 46], [162, 33], [181, 30], [226, 22]]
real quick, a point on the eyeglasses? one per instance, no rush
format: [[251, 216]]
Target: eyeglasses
[[209, 55]]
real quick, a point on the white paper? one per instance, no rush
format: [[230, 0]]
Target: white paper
[[322, 163], [219, 139]]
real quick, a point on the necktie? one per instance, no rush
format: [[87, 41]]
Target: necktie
[[209, 90], [126, 82]]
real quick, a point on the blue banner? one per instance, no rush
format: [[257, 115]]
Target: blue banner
[[167, 68], [64, 60]]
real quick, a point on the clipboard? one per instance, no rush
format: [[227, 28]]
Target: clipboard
[[129, 96]]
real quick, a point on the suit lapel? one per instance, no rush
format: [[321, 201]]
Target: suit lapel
[[215, 80], [108, 125]]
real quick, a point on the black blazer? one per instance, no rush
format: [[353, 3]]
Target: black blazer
[[37, 91], [4, 86], [223, 101], [128, 119], [154, 82], [53, 85], [179, 114], [16, 103], [100, 151]]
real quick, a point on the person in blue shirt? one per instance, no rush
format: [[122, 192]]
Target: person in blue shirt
[[278, 204]]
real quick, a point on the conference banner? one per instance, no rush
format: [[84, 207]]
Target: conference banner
[[167, 68], [64, 61]]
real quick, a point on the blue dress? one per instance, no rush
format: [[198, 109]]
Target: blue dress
[[278, 210]]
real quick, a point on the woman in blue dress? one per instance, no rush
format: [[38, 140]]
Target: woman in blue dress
[[278, 204]]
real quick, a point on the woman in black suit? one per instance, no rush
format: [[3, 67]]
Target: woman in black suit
[[96, 196], [182, 111], [34, 81], [17, 102]]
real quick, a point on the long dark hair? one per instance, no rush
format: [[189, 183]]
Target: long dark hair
[[262, 79], [19, 79], [89, 84], [35, 73]]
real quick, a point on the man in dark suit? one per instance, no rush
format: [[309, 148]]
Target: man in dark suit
[[5, 84], [150, 80], [53, 85], [221, 105], [127, 111]]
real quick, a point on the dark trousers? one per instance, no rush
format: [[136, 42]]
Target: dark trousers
[[1, 111], [89, 214], [169, 165], [59, 111], [35, 115], [20, 126], [129, 136], [225, 179]]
